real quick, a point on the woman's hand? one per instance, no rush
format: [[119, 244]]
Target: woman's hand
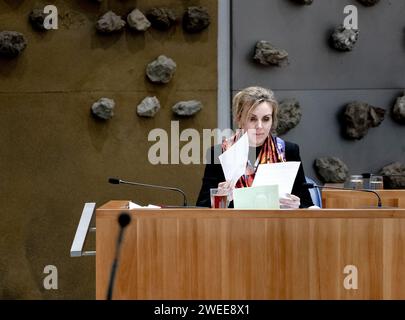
[[290, 201], [226, 187]]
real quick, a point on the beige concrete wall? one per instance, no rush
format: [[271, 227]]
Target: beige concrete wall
[[55, 156]]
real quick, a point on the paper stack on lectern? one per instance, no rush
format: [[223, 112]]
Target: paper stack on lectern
[[261, 197], [133, 205]]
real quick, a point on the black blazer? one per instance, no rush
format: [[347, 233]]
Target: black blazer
[[213, 175]]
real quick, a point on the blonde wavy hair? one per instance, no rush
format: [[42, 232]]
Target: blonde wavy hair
[[245, 101]]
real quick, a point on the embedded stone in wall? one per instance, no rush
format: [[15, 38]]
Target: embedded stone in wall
[[398, 111], [110, 22], [161, 18], [161, 70], [289, 115], [368, 3], [103, 108], [359, 117], [306, 2], [394, 176], [331, 169], [343, 39], [137, 21], [12, 43], [196, 19], [266, 54], [187, 108], [70, 19], [37, 17], [148, 107]]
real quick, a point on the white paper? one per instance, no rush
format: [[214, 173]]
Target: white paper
[[281, 173], [133, 205], [152, 206], [234, 160]]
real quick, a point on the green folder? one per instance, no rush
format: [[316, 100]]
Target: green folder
[[261, 197]]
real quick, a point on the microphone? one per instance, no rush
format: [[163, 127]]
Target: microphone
[[119, 181], [313, 185], [124, 219]]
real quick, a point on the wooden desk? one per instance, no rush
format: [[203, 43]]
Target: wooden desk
[[355, 199], [236, 254]]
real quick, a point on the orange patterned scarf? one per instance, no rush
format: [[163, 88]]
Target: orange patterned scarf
[[272, 151]]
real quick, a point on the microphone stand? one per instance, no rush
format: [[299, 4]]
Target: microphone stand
[[119, 181], [124, 219], [312, 185]]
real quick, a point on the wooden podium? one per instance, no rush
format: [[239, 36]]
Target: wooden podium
[[254, 254], [354, 199]]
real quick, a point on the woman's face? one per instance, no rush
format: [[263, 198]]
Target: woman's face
[[258, 124]]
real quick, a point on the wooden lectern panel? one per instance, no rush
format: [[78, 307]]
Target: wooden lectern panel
[[348, 199], [236, 254]]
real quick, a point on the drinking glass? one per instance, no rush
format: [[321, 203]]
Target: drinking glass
[[219, 198], [376, 182], [356, 182]]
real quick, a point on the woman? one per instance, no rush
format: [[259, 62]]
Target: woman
[[255, 111]]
